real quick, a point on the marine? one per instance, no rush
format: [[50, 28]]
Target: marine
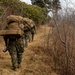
[[15, 48], [14, 43], [27, 34], [33, 31], [29, 29]]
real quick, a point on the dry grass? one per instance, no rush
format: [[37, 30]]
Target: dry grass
[[63, 54], [36, 59]]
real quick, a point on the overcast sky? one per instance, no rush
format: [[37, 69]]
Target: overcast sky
[[64, 3], [27, 1]]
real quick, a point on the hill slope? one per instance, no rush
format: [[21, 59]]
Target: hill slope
[[35, 62]]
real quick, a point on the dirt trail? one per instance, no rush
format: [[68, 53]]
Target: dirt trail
[[33, 57]]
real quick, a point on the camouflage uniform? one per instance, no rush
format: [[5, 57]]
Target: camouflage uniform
[[29, 31], [27, 35], [33, 30], [15, 48]]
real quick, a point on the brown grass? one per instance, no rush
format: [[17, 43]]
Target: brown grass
[[36, 59], [63, 54]]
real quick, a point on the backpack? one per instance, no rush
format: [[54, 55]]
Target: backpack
[[14, 28]]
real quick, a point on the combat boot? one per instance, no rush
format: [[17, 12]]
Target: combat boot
[[14, 68], [19, 65]]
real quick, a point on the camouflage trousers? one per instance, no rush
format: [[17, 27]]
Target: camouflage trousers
[[27, 38], [15, 53]]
